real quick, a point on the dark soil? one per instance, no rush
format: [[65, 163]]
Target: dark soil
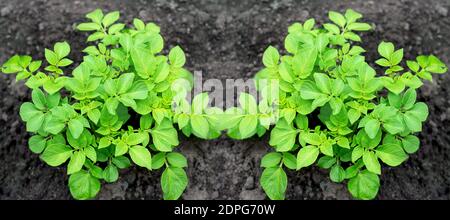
[[225, 39]]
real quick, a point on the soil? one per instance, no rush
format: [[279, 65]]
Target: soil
[[225, 39]]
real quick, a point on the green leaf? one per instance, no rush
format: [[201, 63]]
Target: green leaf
[[307, 156], [435, 65], [391, 154], [353, 115], [304, 61], [177, 57], [96, 15], [90, 153], [412, 65], [176, 160], [372, 126], [352, 36], [115, 28], [309, 24], [39, 99], [162, 72], [271, 159], [301, 121], [121, 148], [200, 126], [394, 125], [64, 62], [56, 154], [173, 182], [110, 18], [311, 138], [137, 91], [365, 185], [122, 162], [343, 142], [385, 49], [332, 28], [53, 86], [396, 57], [323, 82], [337, 18], [28, 111], [124, 83], [62, 49], [326, 162], [283, 136], [158, 160], [136, 138], [76, 162], [419, 111], [337, 174], [310, 91], [413, 123], [411, 144], [164, 136], [322, 42], [104, 142], [96, 36], [271, 57], [96, 172], [326, 148], [383, 62], [89, 27], [371, 162], [140, 57], [37, 144], [126, 41], [274, 182], [83, 186], [248, 103], [289, 160], [75, 127], [141, 156], [145, 122], [359, 26], [357, 153], [156, 43], [110, 174], [292, 43], [351, 16], [138, 24], [286, 72], [54, 125], [248, 124], [12, 65], [409, 98], [35, 123]]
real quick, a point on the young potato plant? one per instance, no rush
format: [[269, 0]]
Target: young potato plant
[[333, 109], [115, 109]]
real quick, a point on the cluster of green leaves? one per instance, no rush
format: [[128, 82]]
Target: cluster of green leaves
[[114, 110], [329, 109]]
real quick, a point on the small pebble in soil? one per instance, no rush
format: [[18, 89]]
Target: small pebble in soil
[[6, 10], [215, 195], [249, 183], [442, 10]]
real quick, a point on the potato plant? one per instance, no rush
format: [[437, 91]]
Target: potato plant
[[117, 107], [332, 109]]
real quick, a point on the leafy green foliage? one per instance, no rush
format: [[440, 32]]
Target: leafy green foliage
[[87, 119], [329, 109], [325, 101]]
